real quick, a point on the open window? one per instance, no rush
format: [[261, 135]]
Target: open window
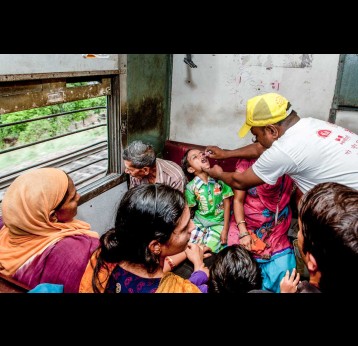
[[70, 121]]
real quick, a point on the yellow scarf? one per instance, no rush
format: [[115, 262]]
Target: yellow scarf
[[172, 283]]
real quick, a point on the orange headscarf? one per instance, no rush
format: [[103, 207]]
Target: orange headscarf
[[26, 207]]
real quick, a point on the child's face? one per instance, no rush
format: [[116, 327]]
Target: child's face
[[197, 160]]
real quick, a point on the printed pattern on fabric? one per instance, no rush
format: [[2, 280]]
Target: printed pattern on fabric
[[122, 281], [260, 206], [209, 216], [268, 215]]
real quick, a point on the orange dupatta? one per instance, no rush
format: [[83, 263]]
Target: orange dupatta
[[26, 207]]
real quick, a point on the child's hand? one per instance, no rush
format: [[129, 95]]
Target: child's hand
[[207, 251], [195, 255], [289, 282], [223, 238]]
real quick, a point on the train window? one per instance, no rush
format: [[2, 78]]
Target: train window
[[70, 123]]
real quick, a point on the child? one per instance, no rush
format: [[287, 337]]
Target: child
[[234, 270], [211, 200]]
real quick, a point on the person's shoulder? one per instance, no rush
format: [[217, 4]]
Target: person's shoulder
[[79, 243], [190, 184], [169, 162]]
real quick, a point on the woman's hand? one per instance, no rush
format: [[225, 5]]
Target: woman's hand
[[246, 242]]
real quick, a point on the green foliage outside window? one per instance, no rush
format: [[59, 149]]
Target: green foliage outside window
[[46, 128]]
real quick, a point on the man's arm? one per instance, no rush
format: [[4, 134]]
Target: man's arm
[[236, 180], [250, 151]]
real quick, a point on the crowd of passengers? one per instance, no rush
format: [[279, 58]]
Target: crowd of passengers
[[193, 228]]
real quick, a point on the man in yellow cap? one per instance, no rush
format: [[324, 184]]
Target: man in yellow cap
[[309, 150]]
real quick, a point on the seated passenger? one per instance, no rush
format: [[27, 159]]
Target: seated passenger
[[210, 200], [152, 224], [143, 167], [40, 241], [327, 240]]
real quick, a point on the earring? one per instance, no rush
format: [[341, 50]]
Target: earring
[[157, 250]]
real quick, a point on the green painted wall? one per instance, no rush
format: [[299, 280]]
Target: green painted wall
[[148, 98]]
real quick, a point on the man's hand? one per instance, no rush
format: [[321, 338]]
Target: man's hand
[[214, 172], [214, 152]]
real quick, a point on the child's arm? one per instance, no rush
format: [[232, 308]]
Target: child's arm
[[225, 230], [238, 206]]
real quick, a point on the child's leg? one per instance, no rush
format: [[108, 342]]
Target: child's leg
[[212, 239], [197, 234]]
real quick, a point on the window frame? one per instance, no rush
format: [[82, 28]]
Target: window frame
[[112, 85], [337, 103]]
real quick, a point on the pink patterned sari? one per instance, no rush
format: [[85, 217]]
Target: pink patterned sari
[[267, 213]]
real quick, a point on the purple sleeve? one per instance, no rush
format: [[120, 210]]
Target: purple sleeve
[[199, 278]]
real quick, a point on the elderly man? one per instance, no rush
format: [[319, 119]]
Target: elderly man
[[145, 168]]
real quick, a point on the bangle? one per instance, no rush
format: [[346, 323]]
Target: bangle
[[170, 262], [243, 235], [243, 221]]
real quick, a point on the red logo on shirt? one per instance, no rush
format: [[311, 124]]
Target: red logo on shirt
[[324, 133]]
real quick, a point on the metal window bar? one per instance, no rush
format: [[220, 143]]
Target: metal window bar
[[66, 158], [50, 139], [79, 182], [88, 164], [51, 116], [84, 152]]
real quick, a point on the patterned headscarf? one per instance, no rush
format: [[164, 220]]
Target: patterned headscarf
[[27, 207]]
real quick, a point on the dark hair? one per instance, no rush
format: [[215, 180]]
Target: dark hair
[[329, 217], [140, 154], [146, 212], [234, 270], [185, 164]]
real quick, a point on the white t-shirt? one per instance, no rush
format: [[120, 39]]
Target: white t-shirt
[[312, 151]]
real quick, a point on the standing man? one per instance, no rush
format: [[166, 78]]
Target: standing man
[[145, 168], [309, 150]]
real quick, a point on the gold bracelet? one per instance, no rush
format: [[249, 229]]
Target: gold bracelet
[[242, 221], [170, 262]]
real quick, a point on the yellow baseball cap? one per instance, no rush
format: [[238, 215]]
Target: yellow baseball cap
[[264, 110]]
